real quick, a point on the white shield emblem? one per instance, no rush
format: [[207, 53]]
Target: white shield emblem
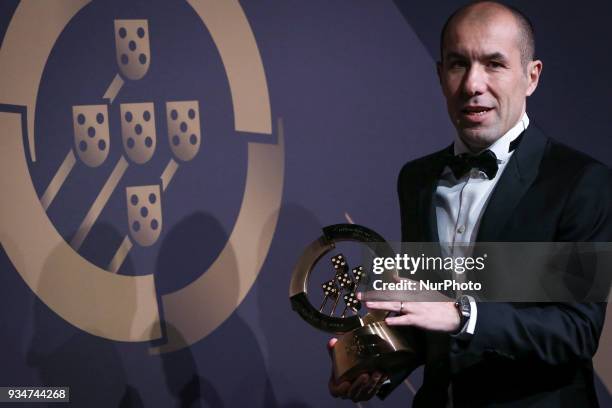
[[132, 47], [91, 134], [144, 213], [138, 131], [184, 136]]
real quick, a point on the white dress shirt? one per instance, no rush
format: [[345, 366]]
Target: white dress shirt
[[461, 202]]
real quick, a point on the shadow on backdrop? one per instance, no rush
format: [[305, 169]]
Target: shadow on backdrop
[[225, 368], [64, 355], [297, 359]]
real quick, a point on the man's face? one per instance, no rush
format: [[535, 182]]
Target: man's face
[[483, 79]]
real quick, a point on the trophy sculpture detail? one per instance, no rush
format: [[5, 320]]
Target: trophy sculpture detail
[[366, 343]]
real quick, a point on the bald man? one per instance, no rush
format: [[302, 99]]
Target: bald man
[[501, 180]]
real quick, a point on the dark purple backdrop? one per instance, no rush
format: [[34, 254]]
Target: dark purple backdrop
[[355, 84]]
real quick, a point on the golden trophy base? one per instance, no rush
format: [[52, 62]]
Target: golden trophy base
[[373, 347]]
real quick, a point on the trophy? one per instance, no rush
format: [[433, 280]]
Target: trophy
[[365, 343]]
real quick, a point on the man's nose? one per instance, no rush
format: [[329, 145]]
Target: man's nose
[[475, 81]]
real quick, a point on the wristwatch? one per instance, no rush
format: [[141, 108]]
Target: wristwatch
[[465, 310]]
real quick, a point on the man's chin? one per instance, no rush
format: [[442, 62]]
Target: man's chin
[[478, 138]]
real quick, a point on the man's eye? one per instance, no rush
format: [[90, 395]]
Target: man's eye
[[457, 64], [495, 64]]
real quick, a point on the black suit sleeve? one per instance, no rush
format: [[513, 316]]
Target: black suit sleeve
[[553, 334]]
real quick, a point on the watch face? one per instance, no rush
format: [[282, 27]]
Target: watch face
[[464, 306]]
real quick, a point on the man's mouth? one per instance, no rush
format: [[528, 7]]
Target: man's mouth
[[475, 113]]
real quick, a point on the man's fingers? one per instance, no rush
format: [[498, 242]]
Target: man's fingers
[[399, 279], [357, 385], [339, 389], [381, 295], [415, 294], [362, 388], [369, 389], [403, 320], [391, 306], [330, 345]]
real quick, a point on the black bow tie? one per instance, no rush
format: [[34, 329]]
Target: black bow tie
[[485, 161]]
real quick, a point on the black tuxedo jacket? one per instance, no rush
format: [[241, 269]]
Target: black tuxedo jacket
[[530, 354]]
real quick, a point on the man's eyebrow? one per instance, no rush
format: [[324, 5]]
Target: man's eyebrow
[[495, 56], [455, 55], [492, 56]]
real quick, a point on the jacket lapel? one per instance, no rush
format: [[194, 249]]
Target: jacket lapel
[[428, 224], [518, 176]]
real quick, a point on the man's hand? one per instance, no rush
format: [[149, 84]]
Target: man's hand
[[433, 316], [424, 309], [364, 387]]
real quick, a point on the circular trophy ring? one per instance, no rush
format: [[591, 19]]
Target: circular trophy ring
[[298, 289]]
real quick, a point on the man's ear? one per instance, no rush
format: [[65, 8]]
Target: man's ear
[[534, 70], [439, 71]]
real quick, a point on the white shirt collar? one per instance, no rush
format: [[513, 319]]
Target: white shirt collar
[[501, 145]]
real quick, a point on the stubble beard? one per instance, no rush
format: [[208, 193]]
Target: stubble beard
[[477, 139]]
